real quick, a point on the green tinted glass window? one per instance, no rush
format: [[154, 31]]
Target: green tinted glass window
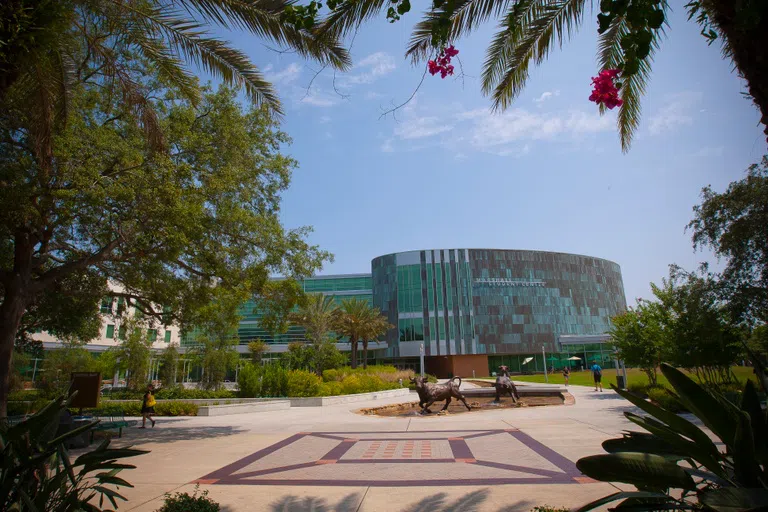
[[152, 334], [121, 332], [110, 331], [167, 336]]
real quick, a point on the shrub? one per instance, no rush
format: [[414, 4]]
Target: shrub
[[37, 473], [364, 384], [638, 388], [183, 502], [248, 381], [274, 381], [330, 389], [332, 375], [181, 393], [170, 408], [302, 383], [665, 399]]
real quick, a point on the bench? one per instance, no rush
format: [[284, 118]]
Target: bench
[[112, 419]]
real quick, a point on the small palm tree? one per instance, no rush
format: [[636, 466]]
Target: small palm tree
[[351, 321], [317, 316], [357, 320], [376, 326]]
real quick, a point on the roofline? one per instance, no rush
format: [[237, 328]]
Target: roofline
[[498, 249]]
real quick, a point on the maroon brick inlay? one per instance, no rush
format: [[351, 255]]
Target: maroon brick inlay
[[461, 452]]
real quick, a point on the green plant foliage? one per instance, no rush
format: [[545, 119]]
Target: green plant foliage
[[169, 366], [637, 334], [274, 381], [183, 502], [134, 353], [663, 398], [162, 408], [59, 364], [302, 383], [36, 472], [662, 464], [249, 381]]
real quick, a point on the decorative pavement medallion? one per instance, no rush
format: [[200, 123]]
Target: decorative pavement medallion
[[399, 459]]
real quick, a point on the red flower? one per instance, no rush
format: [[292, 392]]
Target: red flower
[[604, 89], [442, 64]]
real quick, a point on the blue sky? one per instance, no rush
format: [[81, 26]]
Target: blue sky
[[547, 174]]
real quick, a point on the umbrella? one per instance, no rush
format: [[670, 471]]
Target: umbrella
[[527, 360], [574, 358], [553, 358]]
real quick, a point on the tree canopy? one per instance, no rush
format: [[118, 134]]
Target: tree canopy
[[734, 224], [189, 232]]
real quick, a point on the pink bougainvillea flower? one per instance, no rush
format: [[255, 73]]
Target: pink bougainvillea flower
[[442, 64], [604, 90]]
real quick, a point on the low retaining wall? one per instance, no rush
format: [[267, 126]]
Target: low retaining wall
[[319, 401], [521, 390], [243, 408]]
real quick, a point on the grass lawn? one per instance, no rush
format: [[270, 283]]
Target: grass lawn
[[609, 376]]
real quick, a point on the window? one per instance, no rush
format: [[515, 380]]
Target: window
[[167, 336], [106, 306], [121, 332], [152, 334], [110, 331], [120, 305]]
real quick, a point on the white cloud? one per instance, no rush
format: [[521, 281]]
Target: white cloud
[[387, 146], [284, 76], [420, 127], [709, 152], [512, 133], [325, 119], [371, 95], [675, 112], [546, 95], [370, 69]]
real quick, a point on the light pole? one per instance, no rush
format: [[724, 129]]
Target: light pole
[[544, 359], [421, 358]]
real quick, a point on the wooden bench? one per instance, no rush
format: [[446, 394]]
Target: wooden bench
[[111, 419]]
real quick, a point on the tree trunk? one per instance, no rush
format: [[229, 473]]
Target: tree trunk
[[365, 353], [353, 356], [747, 36], [11, 312]]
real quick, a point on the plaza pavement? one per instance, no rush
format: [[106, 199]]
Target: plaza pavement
[[331, 458]]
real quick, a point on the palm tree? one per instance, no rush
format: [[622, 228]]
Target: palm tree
[[529, 29], [351, 321], [376, 326], [357, 320], [317, 316]]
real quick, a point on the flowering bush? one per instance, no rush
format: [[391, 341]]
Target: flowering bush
[[604, 90], [443, 64], [302, 383]]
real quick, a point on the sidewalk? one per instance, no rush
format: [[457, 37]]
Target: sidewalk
[[331, 458]]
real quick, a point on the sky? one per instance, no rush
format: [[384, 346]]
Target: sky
[[546, 174]]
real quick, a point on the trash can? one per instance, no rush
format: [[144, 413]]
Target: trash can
[[620, 382]]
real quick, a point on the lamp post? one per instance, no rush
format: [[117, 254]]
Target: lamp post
[[544, 360], [421, 358]]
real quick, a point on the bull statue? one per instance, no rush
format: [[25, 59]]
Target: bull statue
[[505, 386], [430, 393]]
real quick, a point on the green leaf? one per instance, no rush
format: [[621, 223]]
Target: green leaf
[[618, 496], [714, 413], [746, 469], [639, 469], [100, 455], [656, 19], [693, 450], [675, 422], [734, 499], [750, 403], [644, 443]]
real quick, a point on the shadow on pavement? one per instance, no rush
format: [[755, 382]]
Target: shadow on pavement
[[291, 503], [135, 436]]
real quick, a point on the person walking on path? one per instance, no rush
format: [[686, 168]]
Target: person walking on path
[[597, 375], [566, 375], [148, 407]]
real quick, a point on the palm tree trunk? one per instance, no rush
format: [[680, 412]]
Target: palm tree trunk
[[747, 37], [353, 355], [365, 353]]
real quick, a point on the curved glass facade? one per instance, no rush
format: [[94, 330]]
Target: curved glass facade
[[489, 301]]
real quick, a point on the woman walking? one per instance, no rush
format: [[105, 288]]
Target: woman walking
[[566, 375], [148, 407]]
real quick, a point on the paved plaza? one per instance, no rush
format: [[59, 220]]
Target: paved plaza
[[332, 458]]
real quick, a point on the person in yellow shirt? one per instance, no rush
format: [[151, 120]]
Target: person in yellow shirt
[[148, 407]]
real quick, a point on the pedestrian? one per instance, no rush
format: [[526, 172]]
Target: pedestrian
[[148, 407], [566, 375], [597, 375]]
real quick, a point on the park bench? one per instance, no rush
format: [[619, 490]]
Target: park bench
[[110, 420]]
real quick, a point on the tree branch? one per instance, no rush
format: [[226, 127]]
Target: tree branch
[[50, 277]]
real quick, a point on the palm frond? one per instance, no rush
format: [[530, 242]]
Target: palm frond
[[527, 34], [189, 39], [350, 15], [169, 66], [263, 18], [610, 55], [466, 17]]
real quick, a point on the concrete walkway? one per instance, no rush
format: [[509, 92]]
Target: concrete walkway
[[331, 458]]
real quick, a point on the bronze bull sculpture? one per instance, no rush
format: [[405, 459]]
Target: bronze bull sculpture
[[430, 393], [505, 386]]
